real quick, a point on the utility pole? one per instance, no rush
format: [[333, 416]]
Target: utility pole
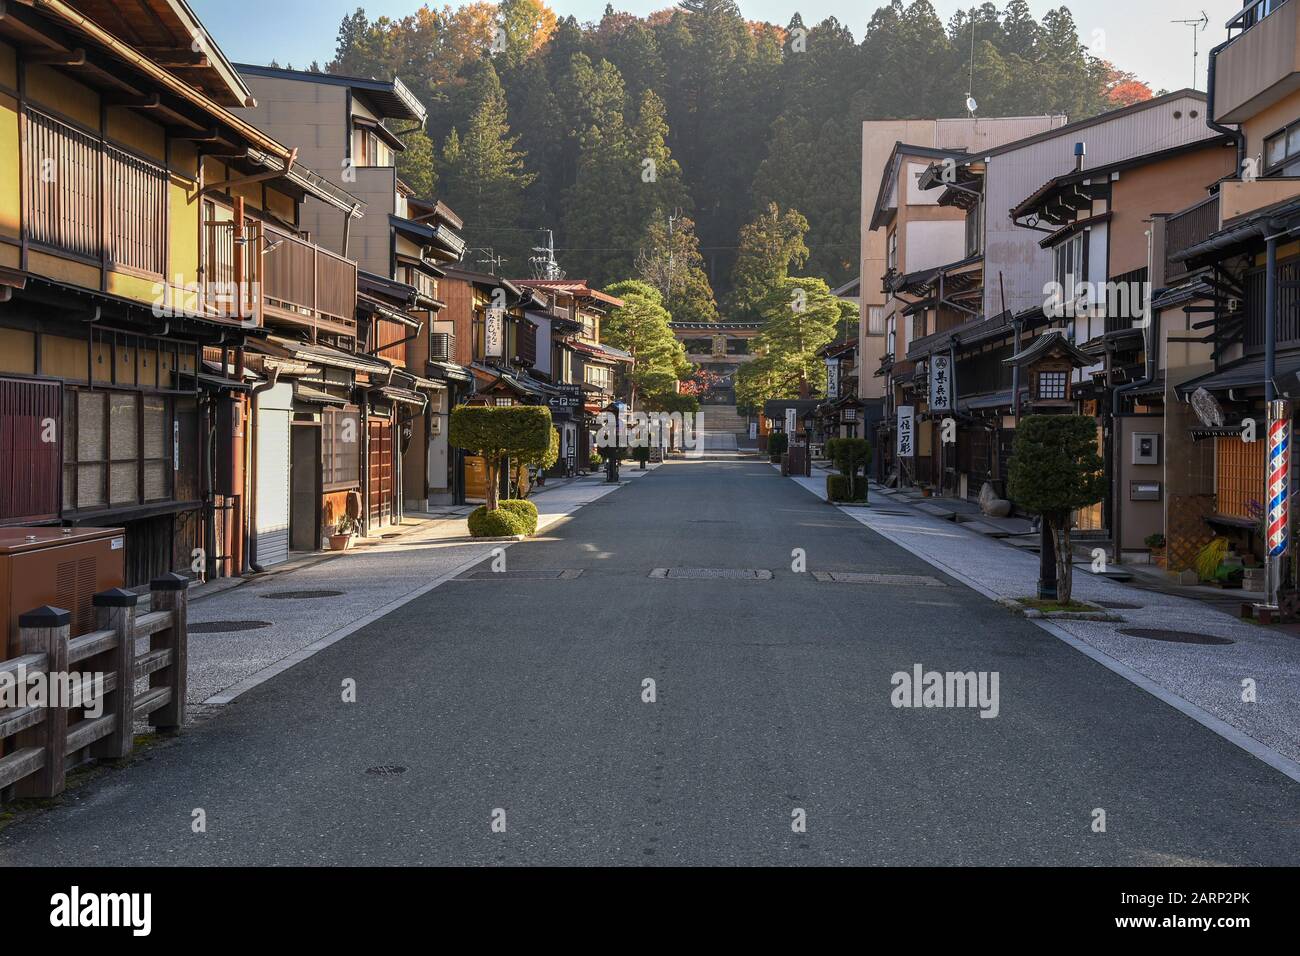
[[1197, 25], [672, 253]]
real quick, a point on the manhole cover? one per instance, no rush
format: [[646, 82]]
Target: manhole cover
[[299, 595], [221, 627], [533, 574], [714, 574], [897, 580], [1173, 637], [387, 771], [1119, 605]]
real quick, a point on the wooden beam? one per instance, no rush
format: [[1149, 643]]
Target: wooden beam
[[172, 57], [206, 136], [149, 102], [75, 57]]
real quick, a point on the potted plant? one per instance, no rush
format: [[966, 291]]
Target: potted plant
[[1156, 542], [346, 529]]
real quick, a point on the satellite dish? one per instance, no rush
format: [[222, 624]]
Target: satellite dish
[[1207, 408], [971, 105]]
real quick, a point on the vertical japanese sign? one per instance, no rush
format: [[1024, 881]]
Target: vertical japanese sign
[[494, 333], [906, 445], [832, 378], [790, 422], [940, 384]]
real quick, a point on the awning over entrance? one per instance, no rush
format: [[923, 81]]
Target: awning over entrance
[[1246, 373]]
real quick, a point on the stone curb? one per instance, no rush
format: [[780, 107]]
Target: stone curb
[[1015, 607]]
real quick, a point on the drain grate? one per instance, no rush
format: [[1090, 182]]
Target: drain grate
[[222, 627], [1173, 637], [713, 574], [531, 574], [299, 595], [1119, 605], [897, 580], [389, 770]]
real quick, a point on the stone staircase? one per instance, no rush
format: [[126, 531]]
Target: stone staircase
[[725, 429], [724, 419]]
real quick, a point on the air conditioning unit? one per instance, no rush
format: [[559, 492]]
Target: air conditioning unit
[[64, 567]]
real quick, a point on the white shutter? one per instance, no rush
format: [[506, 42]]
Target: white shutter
[[272, 518]]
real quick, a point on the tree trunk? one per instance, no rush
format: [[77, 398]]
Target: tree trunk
[[493, 477], [1064, 560]]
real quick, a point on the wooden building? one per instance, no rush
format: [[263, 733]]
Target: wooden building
[[149, 241]]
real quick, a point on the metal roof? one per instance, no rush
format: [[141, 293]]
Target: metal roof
[[390, 97]]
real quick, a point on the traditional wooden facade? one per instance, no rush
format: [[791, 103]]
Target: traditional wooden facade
[[149, 240], [1234, 266], [352, 128], [579, 358]]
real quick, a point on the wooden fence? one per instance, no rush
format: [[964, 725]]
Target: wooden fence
[[42, 741]]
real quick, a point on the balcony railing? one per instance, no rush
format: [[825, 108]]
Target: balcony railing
[[1252, 13], [1187, 228], [269, 273]]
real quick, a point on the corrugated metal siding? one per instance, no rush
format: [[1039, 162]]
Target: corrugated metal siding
[[30, 478], [1012, 176]]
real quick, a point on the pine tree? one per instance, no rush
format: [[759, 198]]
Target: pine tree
[[484, 175], [640, 327]]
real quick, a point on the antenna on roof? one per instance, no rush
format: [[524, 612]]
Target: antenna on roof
[[971, 105], [1198, 26], [493, 261], [544, 264]]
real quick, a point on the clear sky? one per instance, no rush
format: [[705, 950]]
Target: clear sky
[[1136, 35]]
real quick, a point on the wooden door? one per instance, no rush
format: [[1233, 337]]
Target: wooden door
[[382, 471]]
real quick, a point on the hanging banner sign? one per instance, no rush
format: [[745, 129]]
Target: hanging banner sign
[[940, 384], [832, 378], [905, 446], [494, 334]]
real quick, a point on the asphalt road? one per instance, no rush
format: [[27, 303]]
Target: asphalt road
[[524, 694]]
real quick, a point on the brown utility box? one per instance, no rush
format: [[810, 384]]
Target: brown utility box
[[64, 567]]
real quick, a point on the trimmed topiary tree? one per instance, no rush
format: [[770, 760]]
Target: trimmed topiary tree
[[501, 523], [522, 432], [524, 511], [851, 456], [1055, 470]]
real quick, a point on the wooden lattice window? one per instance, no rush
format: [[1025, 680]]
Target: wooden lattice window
[[137, 197], [1239, 477], [62, 183]]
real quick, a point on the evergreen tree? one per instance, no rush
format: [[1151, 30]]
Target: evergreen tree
[[416, 164], [484, 176], [769, 247], [640, 327], [799, 316], [670, 261]]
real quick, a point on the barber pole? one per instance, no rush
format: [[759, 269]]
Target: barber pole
[[1279, 491]]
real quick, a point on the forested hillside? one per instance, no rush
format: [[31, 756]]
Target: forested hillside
[[648, 143]]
